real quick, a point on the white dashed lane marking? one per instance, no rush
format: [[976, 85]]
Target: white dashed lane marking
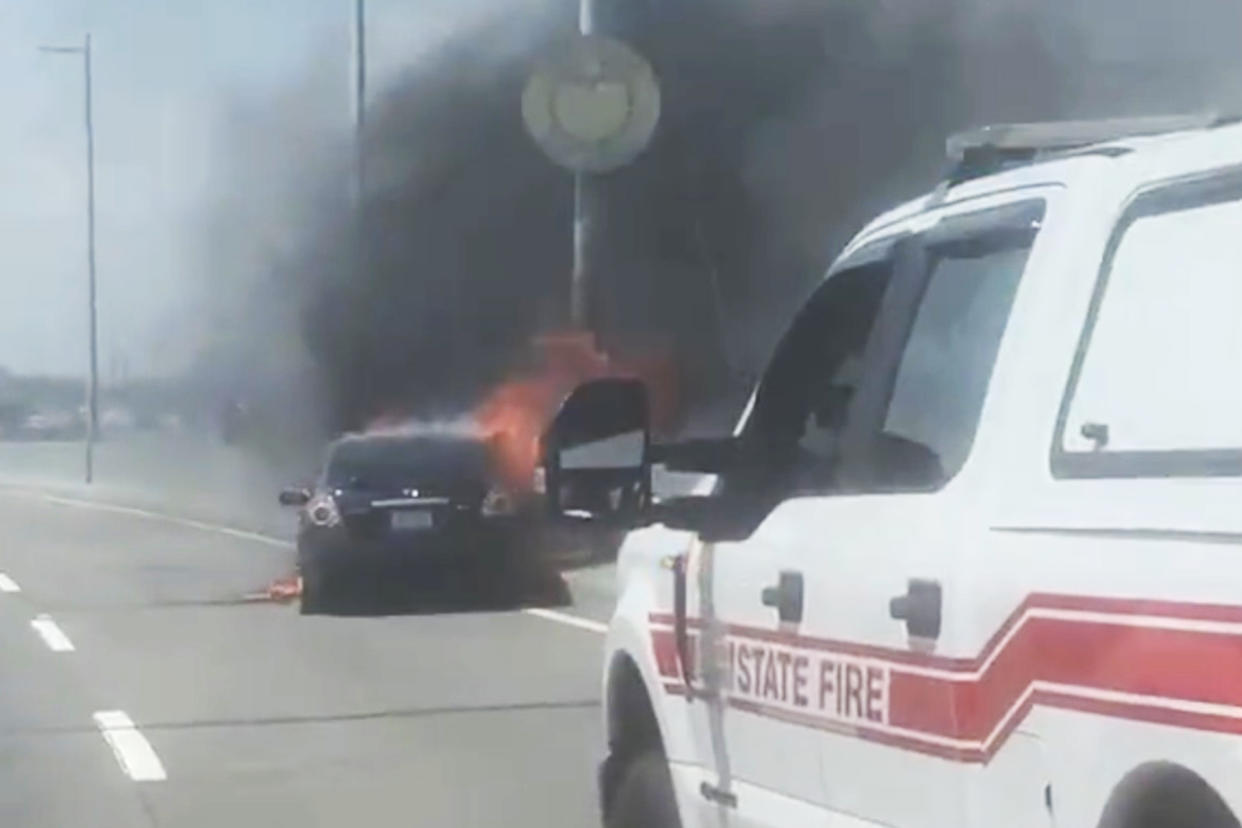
[[7, 584], [53, 636], [132, 750]]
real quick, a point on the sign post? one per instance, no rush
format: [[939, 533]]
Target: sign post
[[592, 106]]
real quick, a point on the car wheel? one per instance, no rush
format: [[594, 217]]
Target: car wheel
[[318, 588], [644, 797]]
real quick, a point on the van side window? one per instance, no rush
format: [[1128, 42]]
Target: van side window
[[947, 362], [792, 435], [929, 379], [1154, 388]]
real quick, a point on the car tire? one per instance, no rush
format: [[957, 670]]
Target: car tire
[[644, 797], [319, 588]]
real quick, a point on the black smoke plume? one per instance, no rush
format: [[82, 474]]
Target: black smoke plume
[[786, 124]]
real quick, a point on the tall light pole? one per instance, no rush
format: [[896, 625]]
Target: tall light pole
[[92, 388], [579, 307], [360, 93], [359, 250], [592, 105]]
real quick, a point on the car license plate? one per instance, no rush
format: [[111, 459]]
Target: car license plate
[[411, 519]]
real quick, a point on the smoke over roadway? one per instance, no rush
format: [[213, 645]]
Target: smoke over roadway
[[786, 124]]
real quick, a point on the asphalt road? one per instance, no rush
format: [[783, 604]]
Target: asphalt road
[[247, 713]]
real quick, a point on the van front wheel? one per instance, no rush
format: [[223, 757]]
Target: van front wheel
[[644, 797]]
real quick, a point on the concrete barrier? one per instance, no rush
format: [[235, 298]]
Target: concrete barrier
[[181, 474]]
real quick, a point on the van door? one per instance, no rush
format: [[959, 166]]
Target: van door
[[831, 612], [752, 599], [915, 503]]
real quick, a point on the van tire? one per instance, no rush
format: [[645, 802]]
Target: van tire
[[644, 797], [1165, 795]]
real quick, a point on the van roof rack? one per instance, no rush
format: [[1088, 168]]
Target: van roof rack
[[992, 149]]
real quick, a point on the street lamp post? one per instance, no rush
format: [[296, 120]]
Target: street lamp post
[[360, 92], [92, 392], [579, 307], [592, 106]]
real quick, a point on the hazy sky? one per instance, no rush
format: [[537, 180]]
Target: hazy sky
[[164, 70], [167, 72]]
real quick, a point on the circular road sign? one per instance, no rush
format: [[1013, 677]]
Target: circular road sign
[[592, 104]]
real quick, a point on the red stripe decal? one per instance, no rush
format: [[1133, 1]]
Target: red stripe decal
[[664, 647], [1227, 613], [1108, 665]]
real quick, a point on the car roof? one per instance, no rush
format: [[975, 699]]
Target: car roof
[[401, 439]]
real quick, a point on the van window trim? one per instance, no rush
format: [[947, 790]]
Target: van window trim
[[910, 254], [898, 312], [873, 252], [1201, 189], [868, 255]]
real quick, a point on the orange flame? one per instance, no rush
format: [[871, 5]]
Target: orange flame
[[514, 415], [512, 418]]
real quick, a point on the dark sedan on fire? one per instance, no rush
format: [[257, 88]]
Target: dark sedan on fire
[[406, 503]]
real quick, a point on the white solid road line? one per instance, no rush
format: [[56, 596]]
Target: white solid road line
[[132, 750], [51, 634], [191, 524], [569, 620], [546, 614], [7, 584]]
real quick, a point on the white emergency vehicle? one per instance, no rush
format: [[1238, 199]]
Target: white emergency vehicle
[[973, 554]]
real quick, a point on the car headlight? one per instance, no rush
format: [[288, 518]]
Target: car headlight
[[321, 511], [498, 502]]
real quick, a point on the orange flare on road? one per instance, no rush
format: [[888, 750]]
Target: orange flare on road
[[280, 591]]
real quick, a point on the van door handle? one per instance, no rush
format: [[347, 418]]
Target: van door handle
[[919, 608], [785, 597]]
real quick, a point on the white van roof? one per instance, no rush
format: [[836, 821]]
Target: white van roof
[[1015, 156]]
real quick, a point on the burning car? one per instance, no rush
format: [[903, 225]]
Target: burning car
[[408, 500]]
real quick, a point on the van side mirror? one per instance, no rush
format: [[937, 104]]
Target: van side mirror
[[596, 453], [294, 497]]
